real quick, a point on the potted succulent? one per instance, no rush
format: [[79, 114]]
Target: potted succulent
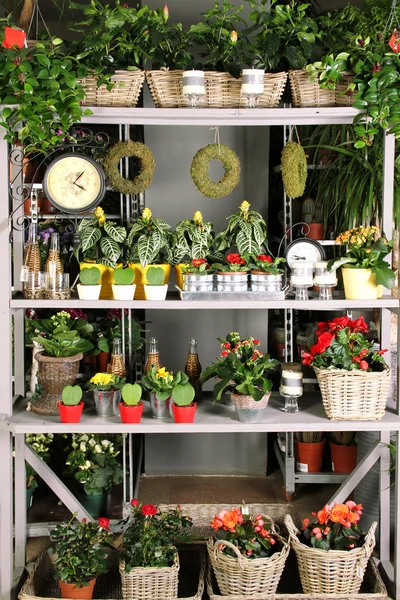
[[59, 361], [197, 276], [106, 389], [89, 287], [311, 213], [131, 407], [232, 275], [71, 405], [363, 266], [265, 272], [40, 443], [149, 564], [123, 287], [79, 551], [347, 364], [343, 445], [92, 462], [246, 231], [309, 451], [147, 239], [183, 408], [243, 368], [160, 384], [155, 288]]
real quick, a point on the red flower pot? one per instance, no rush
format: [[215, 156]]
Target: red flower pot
[[130, 414], [69, 590], [344, 458], [70, 414], [102, 361], [309, 456], [316, 231], [184, 414]]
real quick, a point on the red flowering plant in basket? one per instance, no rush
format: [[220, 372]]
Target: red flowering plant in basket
[[342, 344], [336, 528]]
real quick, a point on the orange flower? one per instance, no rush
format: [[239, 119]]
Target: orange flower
[[306, 523], [340, 514], [323, 515], [216, 523], [230, 520]]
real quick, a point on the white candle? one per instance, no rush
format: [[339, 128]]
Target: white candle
[[291, 383], [323, 276], [252, 82], [193, 83], [302, 273]]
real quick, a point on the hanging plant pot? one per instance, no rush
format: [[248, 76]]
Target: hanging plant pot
[[130, 414], [70, 414], [69, 590], [184, 414]]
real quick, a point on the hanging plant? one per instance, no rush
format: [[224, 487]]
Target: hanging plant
[[294, 169], [143, 179], [200, 165]]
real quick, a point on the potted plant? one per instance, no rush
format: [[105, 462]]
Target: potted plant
[[146, 241], [123, 287], [309, 451], [243, 368], [364, 268], [311, 213], [59, 361], [106, 389], [40, 443], [71, 405], [149, 564], [79, 551], [89, 287], [353, 377], [265, 272], [160, 384], [343, 445], [346, 549], [197, 276], [92, 462], [246, 231], [183, 408], [246, 551], [131, 407], [155, 288], [232, 275]]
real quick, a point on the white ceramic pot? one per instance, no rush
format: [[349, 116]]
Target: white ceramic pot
[[88, 292], [156, 292], [123, 292]]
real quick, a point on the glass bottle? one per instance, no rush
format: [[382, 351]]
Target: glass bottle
[[193, 368], [153, 356], [117, 360], [32, 251], [54, 265]]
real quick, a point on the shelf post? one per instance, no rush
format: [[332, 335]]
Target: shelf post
[[6, 515]]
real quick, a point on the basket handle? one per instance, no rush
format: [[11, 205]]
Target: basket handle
[[369, 542], [240, 558], [292, 529]]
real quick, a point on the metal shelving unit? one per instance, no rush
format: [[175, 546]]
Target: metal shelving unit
[[15, 421]]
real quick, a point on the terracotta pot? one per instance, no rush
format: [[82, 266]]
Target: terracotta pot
[[344, 458], [130, 414], [102, 361], [309, 456], [184, 414], [316, 231], [69, 590], [70, 414]]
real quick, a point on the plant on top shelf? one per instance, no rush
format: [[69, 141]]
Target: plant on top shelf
[[192, 239], [246, 231], [105, 382], [234, 263], [89, 287], [123, 287], [336, 528], [124, 276], [183, 408], [155, 288], [62, 336], [169, 44], [146, 240], [101, 241], [131, 406], [265, 263]]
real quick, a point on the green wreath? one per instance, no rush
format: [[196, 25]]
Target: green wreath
[[143, 179], [201, 178], [294, 169]]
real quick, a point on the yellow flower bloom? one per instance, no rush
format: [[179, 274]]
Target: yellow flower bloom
[[99, 213], [244, 207], [367, 250], [102, 379], [147, 214], [162, 373], [198, 217]]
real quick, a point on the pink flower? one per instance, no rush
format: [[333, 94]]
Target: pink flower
[[260, 522], [351, 505], [316, 530], [318, 535], [166, 12], [224, 353]]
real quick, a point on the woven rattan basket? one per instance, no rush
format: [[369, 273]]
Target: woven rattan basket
[[222, 90], [353, 395], [148, 583], [244, 576], [331, 571], [126, 91], [54, 374], [308, 93]]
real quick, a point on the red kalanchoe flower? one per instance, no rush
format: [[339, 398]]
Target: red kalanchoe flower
[[224, 353], [149, 510], [134, 502], [256, 342], [196, 262], [104, 523], [264, 258], [380, 352], [227, 346]]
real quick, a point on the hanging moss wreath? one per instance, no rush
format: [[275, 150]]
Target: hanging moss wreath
[[143, 179], [201, 178], [294, 169]]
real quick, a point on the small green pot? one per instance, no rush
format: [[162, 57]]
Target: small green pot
[[95, 504]]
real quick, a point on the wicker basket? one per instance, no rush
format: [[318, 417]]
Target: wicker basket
[[353, 395], [308, 93], [244, 576], [54, 374], [222, 90], [331, 571], [126, 91], [148, 583]]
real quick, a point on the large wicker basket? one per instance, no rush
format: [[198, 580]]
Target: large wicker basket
[[353, 395], [309, 93], [148, 583], [126, 91], [222, 90], [54, 374], [330, 571], [242, 576]]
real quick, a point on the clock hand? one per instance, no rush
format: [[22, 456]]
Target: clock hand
[[299, 257], [80, 186], [79, 176]]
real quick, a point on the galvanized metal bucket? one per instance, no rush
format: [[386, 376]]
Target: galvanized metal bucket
[[265, 282], [193, 282], [232, 282], [106, 403], [160, 408]]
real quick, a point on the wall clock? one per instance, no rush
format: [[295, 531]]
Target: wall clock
[[74, 183], [304, 249]]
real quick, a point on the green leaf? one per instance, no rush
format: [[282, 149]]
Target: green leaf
[[89, 238], [118, 234], [110, 249], [131, 394], [43, 60]]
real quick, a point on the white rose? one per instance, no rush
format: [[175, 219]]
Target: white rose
[[92, 442], [84, 437], [105, 443], [98, 449], [82, 447]]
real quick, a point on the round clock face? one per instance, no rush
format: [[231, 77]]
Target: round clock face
[[305, 250], [74, 183]]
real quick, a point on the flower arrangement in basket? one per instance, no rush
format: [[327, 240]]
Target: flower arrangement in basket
[[332, 552], [248, 555], [149, 565], [353, 377]]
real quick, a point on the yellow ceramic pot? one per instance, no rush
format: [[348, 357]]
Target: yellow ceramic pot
[[179, 274], [106, 279], [141, 279], [359, 284]]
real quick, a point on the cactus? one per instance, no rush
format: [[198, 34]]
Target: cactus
[[90, 276], [71, 395], [131, 394], [183, 395], [155, 276], [311, 212], [124, 276]]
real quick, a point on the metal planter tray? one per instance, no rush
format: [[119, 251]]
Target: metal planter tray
[[234, 296]]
